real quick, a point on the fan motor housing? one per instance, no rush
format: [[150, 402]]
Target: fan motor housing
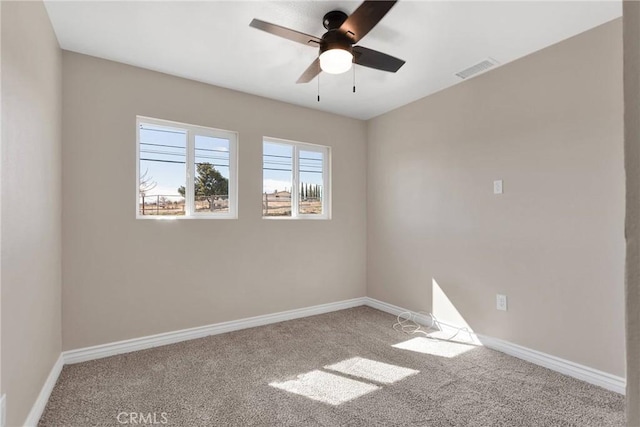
[[334, 19], [335, 40]]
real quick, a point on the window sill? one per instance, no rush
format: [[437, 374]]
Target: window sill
[[297, 218], [179, 218]]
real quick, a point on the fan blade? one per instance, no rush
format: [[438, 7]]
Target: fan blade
[[311, 72], [374, 59], [364, 18], [287, 33]]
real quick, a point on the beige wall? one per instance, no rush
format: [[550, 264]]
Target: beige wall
[[31, 204], [632, 221], [126, 278], [549, 125]]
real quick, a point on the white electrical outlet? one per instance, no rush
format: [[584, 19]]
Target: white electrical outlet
[[501, 302], [497, 187], [3, 410]]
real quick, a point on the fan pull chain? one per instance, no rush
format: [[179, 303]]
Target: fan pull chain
[[354, 76], [318, 87]]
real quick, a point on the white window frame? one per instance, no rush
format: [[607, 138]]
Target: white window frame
[[295, 195], [191, 132]]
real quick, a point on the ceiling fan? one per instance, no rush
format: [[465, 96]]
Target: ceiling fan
[[337, 50]]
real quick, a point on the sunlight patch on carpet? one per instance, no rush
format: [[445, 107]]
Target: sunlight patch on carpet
[[372, 370], [326, 387], [434, 347]]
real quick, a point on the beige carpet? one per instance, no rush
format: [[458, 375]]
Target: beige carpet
[[337, 369]]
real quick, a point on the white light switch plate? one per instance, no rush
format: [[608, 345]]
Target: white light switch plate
[[497, 187], [501, 302]]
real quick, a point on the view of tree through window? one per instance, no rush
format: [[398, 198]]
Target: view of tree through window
[[185, 170], [211, 183]]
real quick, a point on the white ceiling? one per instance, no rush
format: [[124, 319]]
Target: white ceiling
[[211, 41]]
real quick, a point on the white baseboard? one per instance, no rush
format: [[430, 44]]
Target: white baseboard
[[565, 367], [395, 310], [135, 344], [38, 407]]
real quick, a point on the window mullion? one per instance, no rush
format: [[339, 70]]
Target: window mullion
[[325, 182], [232, 190], [295, 191], [189, 193]]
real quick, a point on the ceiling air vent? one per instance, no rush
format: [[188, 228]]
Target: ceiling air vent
[[480, 67]]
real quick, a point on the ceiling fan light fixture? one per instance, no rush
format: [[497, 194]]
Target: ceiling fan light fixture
[[337, 51], [336, 61]]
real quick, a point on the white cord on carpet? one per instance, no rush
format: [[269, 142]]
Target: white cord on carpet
[[407, 323]]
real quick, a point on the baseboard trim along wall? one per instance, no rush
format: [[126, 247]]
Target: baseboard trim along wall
[[38, 407], [581, 372], [135, 344], [395, 310], [565, 367]]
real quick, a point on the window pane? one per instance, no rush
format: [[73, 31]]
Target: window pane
[[211, 182], [162, 171], [277, 179], [311, 191]]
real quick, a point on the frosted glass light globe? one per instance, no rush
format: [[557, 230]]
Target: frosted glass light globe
[[335, 61]]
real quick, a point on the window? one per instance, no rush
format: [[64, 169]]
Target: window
[[185, 171], [295, 180]]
